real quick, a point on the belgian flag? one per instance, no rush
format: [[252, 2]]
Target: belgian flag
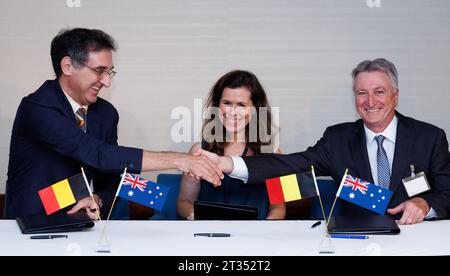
[[63, 193], [291, 187]]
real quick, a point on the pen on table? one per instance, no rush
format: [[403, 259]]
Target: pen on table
[[47, 237], [343, 236], [317, 223], [215, 235]]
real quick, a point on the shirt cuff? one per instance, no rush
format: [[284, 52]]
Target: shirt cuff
[[240, 170], [431, 214]]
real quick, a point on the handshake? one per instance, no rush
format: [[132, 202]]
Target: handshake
[[206, 165]]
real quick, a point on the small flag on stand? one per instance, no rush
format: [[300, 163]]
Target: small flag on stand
[[63, 193], [139, 190], [143, 191], [364, 194], [291, 187]]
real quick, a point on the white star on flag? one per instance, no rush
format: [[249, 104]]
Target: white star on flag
[[364, 194], [143, 191]]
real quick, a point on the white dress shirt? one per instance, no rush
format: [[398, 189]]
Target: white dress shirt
[[75, 106], [389, 146]]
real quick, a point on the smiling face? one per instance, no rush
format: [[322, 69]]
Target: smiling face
[[235, 109], [375, 99], [84, 84]]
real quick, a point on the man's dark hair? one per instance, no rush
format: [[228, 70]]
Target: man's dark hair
[[76, 44]]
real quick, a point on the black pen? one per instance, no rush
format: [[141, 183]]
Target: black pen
[[47, 237], [316, 224], [215, 235]]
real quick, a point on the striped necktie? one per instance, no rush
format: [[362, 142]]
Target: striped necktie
[[384, 173], [81, 118]]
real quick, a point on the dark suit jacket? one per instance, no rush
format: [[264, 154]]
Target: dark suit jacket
[[344, 146], [47, 146]]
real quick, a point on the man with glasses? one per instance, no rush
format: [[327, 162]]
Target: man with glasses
[[65, 125]]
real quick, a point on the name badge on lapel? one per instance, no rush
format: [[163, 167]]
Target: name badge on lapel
[[416, 184]]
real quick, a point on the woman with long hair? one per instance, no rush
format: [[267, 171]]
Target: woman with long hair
[[237, 126]]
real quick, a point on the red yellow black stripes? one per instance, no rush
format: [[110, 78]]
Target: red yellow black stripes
[[63, 193], [290, 187]]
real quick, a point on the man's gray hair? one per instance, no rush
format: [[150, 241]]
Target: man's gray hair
[[379, 64]]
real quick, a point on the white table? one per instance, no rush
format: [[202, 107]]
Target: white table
[[248, 238]]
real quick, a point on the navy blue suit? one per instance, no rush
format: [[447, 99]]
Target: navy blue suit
[[47, 146], [344, 146]]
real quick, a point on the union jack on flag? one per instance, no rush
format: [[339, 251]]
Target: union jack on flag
[[143, 191], [135, 182], [370, 196], [356, 184]]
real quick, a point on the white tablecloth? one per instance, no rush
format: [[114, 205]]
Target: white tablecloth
[[248, 238]]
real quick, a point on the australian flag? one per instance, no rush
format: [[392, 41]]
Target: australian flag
[[143, 191], [365, 194]]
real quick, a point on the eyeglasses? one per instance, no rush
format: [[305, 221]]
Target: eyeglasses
[[101, 72]]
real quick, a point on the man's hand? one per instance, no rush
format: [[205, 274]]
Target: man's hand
[[90, 206], [200, 166], [225, 163], [414, 210]]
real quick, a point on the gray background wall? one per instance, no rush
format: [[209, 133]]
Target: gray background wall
[[172, 51]]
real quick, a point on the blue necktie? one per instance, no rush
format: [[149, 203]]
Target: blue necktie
[[81, 118], [384, 174]]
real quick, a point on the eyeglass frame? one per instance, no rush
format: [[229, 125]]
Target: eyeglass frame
[[101, 73]]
